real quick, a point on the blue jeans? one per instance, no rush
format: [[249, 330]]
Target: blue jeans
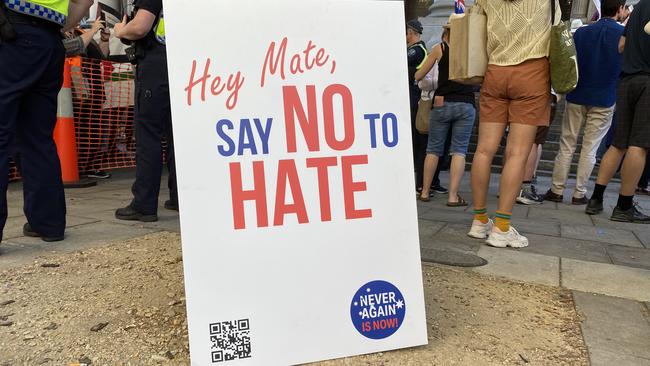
[[460, 118]]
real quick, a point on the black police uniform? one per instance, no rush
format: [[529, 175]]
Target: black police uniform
[[152, 125], [31, 75], [416, 54]]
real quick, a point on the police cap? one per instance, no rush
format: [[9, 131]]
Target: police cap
[[414, 25]]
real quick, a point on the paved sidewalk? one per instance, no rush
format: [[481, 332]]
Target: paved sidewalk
[[605, 264], [567, 247], [91, 220]]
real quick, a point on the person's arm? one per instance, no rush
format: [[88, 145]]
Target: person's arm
[[621, 44], [434, 56], [104, 38], [88, 35], [77, 9], [137, 28]]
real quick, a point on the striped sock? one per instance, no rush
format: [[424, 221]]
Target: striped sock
[[480, 214], [502, 220]]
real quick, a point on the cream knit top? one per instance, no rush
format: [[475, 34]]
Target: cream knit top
[[518, 30]]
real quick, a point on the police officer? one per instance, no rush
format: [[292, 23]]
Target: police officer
[[31, 75], [416, 54], [152, 111]]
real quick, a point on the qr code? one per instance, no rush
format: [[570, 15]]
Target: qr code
[[230, 340]]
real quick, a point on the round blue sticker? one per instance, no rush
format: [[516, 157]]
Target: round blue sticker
[[378, 309]]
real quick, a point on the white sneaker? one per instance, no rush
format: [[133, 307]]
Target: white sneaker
[[512, 238], [480, 230]]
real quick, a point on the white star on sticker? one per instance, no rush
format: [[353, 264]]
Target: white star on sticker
[[368, 290], [400, 304], [356, 303], [361, 313]]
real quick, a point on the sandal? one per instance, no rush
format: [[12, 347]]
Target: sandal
[[423, 199], [461, 202]]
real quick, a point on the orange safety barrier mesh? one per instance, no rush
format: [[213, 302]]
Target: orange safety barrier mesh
[[103, 98], [103, 94]]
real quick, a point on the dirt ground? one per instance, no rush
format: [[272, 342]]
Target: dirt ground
[[123, 304]]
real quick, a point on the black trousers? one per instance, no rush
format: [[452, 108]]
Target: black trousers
[[153, 125], [31, 74]]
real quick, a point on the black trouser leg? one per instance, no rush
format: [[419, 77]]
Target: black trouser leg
[[152, 124], [31, 74]]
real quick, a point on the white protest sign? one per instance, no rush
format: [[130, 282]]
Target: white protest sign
[[295, 173]]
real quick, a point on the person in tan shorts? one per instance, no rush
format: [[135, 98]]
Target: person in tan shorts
[[516, 91]]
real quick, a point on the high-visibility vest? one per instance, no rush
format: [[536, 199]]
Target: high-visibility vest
[[55, 11], [426, 53], [159, 30]]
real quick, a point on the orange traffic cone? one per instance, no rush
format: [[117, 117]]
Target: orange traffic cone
[[65, 137]]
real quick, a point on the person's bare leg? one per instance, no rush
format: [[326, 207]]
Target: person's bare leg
[[518, 148], [430, 165], [540, 150], [456, 171], [609, 165], [632, 169], [531, 163], [489, 138]]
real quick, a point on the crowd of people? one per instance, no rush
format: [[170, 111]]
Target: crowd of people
[[612, 98], [32, 56], [516, 100]]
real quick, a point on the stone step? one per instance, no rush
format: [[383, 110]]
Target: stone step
[[548, 153], [553, 138]]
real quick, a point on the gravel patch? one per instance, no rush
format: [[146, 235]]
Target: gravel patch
[[123, 304]]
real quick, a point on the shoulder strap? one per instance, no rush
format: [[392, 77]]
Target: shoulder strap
[[552, 12]]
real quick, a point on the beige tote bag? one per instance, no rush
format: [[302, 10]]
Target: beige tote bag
[[468, 57]]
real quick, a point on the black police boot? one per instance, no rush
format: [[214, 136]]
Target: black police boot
[[27, 231], [594, 207], [171, 205], [131, 214], [632, 215]]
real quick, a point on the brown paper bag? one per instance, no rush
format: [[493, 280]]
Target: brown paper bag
[[422, 117], [468, 47]]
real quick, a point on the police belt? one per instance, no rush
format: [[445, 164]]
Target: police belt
[[19, 18]]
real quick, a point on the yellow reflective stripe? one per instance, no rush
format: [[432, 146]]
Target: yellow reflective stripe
[[53, 10], [160, 29], [425, 56]]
